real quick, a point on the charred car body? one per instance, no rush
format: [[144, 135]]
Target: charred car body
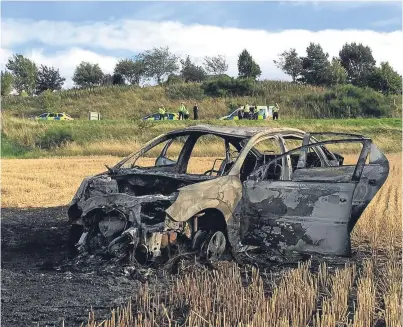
[[260, 193]]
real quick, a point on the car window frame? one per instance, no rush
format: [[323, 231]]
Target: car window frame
[[366, 146]]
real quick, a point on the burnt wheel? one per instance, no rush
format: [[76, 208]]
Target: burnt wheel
[[198, 239], [214, 246]]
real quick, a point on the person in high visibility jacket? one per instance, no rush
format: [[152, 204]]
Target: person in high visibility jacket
[[275, 111], [162, 111], [246, 112], [182, 110], [252, 112], [185, 113]]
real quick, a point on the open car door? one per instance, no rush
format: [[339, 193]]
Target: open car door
[[314, 209]]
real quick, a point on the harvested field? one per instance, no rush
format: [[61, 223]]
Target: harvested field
[[40, 285]]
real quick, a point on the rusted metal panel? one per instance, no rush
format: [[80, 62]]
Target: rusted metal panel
[[297, 216], [221, 193]]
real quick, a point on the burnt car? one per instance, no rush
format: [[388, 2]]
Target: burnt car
[[270, 188]]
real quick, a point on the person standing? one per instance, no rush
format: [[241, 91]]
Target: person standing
[[252, 112], [181, 111], [246, 112], [185, 113], [240, 114], [275, 111], [195, 112], [162, 111]]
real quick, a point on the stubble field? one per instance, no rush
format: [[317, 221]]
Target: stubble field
[[362, 291]]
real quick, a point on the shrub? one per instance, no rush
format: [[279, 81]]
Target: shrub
[[347, 101], [174, 79], [49, 101], [185, 91], [224, 86], [55, 138]]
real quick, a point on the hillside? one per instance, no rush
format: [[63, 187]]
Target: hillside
[[27, 138], [130, 102]]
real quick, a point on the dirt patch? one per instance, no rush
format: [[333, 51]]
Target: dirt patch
[[40, 285]]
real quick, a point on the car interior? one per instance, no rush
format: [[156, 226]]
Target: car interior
[[262, 155]]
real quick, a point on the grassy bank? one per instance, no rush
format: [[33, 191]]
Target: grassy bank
[[131, 102], [23, 138]]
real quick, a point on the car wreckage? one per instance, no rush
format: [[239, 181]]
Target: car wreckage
[[272, 188]]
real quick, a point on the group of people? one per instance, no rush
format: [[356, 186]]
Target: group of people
[[251, 112], [182, 111], [246, 112]]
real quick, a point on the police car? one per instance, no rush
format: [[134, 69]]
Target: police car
[[54, 116], [168, 116], [261, 113]]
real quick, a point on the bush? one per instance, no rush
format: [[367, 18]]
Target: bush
[[352, 101], [347, 101], [225, 86], [55, 138], [174, 79], [49, 101], [185, 91]]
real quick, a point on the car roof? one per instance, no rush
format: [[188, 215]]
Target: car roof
[[236, 131]]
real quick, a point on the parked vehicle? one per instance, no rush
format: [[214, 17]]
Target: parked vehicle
[[168, 116], [54, 116], [262, 113]]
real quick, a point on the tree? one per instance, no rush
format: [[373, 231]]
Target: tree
[[159, 63], [385, 79], [338, 74], [247, 67], [117, 79], [290, 63], [112, 79], [315, 66], [190, 72], [6, 83], [131, 70], [215, 65], [24, 72], [87, 75], [48, 78], [358, 61], [107, 79]]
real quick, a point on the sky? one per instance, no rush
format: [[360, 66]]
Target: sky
[[62, 34]]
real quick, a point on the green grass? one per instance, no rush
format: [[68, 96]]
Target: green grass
[[10, 149], [130, 102], [23, 137]]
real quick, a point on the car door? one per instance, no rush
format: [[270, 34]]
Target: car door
[[312, 210]]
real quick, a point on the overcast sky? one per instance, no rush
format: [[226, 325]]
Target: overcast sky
[[62, 34]]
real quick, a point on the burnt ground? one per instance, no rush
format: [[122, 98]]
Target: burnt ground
[[42, 284], [39, 284]]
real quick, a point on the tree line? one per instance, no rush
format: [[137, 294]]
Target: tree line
[[355, 65]]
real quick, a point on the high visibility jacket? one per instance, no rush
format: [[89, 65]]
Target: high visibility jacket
[[246, 108], [276, 109], [185, 111], [182, 108], [261, 115], [161, 111]]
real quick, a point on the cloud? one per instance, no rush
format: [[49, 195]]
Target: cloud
[[67, 61], [4, 55], [104, 42]]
